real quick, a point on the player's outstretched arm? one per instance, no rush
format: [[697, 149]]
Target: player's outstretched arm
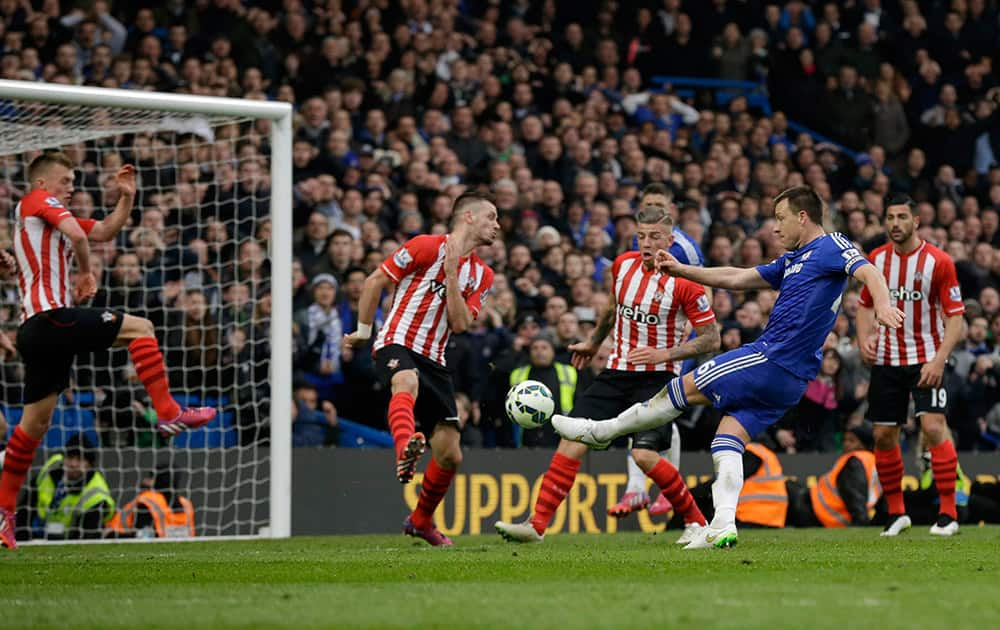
[[733, 278], [370, 294], [108, 228], [885, 313]]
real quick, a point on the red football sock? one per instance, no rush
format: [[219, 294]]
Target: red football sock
[[20, 453], [889, 465], [432, 490], [401, 423], [558, 480], [673, 488], [148, 361], [944, 465]]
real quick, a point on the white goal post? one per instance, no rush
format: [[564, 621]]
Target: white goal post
[[99, 114]]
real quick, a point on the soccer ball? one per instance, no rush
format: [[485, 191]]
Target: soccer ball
[[530, 404]]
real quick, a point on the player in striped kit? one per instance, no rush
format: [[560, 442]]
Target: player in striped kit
[[440, 288], [755, 384], [647, 317], [686, 250], [911, 359], [53, 332]]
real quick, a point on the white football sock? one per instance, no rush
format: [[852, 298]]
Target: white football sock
[[727, 454], [655, 412], [636, 478]]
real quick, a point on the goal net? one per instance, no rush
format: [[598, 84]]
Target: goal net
[[206, 257]]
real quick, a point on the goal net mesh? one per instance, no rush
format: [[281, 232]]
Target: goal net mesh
[[193, 258]]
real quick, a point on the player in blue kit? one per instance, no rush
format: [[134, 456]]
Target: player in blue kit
[[756, 384]]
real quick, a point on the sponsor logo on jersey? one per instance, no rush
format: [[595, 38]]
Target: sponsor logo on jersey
[[638, 315], [402, 258], [483, 296], [107, 317], [703, 304], [54, 202], [439, 288], [906, 295], [794, 269], [658, 296], [955, 293], [806, 255]]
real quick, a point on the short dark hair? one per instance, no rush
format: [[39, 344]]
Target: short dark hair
[[803, 199], [45, 160], [899, 199], [467, 199], [656, 188]]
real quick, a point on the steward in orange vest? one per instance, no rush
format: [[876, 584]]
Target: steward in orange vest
[[156, 510], [845, 495], [764, 498]]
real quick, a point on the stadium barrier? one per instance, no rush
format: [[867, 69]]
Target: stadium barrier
[[353, 491]]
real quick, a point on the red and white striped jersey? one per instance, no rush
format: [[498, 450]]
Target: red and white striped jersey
[[418, 319], [44, 254], [652, 309], [924, 285]]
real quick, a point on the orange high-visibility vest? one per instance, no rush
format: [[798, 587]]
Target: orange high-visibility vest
[[830, 509], [166, 522], [764, 498]]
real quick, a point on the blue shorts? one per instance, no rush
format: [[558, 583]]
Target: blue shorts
[[744, 384]]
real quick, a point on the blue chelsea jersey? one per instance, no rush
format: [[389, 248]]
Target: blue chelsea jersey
[[685, 249], [812, 281]]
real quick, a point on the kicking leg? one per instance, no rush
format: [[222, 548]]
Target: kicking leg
[[662, 408], [137, 333], [24, 441], [446, 454], [555, 486]]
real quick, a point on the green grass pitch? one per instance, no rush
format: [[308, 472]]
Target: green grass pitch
[[774, 579]]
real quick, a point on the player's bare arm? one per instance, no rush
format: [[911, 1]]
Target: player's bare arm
[[370, 294], [885, 313], [733, 278], [459, 315], [584, 350], [108, 228], [707, 340], [932, 373], [867, 338], [86, 285]]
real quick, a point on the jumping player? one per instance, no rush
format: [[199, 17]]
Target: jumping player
[[757, 383], [648, 313], [440, 288], [46, 240], [911, 360]]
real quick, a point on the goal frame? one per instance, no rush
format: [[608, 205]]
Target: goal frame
[[280, 254]]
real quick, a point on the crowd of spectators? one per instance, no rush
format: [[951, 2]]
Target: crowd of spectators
[[553, 108]]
